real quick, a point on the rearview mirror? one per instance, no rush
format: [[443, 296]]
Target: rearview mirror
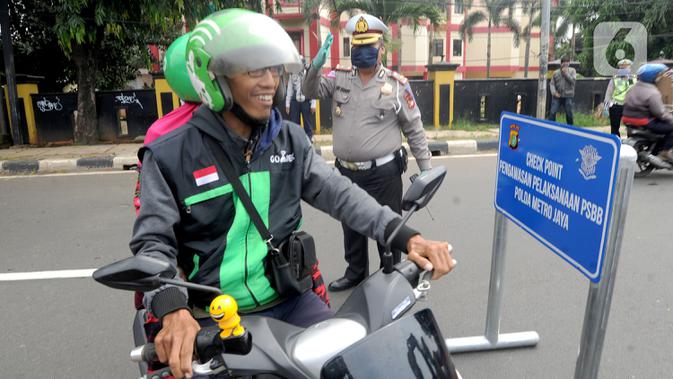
[[138, 273], [423, 188]]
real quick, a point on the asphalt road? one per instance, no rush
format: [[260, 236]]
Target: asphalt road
[[75, 328]]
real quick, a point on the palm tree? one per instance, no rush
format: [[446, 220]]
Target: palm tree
[[497, 13], [388, 11], [531, 8], [559, 25]]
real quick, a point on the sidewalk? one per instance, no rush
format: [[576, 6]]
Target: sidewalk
[[39, 160]]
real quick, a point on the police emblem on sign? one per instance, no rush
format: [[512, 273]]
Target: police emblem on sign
[[590, 158], [513, 137]]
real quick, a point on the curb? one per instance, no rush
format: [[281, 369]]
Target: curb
[[108, 162]]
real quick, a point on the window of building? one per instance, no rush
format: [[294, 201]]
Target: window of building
[[458, 7], [438, 47], [457, 48], [347, 47]]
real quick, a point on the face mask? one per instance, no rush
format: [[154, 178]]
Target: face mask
[[623, 72], [364, 56]]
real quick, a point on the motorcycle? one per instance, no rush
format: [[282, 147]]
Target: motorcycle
[[371, 335], [647, 145]]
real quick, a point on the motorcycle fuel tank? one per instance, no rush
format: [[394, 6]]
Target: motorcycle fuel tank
[[320, 342]]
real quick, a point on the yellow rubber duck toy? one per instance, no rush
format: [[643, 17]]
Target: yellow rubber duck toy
[[224, 311]]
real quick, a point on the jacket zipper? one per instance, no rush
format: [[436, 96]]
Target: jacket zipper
[[247, 165]]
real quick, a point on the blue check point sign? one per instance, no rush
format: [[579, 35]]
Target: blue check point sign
[[556, 182]]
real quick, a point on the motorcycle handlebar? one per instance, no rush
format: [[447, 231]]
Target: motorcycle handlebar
[[410, 271], [144, 353], [148, 353]]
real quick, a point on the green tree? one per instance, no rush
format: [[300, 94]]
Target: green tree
[[558, 25], [388, 11], [655, 15], [36, 51], [100, 44], [531, 8], [496, 13], [85, 29]]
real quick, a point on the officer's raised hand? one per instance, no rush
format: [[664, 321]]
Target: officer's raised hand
[[431, 255], [321, 56]]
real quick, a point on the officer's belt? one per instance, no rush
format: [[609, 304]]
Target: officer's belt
[[361, 166]]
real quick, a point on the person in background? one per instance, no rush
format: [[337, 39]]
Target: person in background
[[372, 107], [562, 88], [615, 94], [644, 107], [297, 106]]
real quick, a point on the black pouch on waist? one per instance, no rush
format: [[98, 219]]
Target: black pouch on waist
[[402, 158], [289, 268]]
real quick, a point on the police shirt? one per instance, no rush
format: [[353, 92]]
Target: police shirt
[[367, 119]]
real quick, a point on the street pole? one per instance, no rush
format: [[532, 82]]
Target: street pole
[[544, 52], [10, 75]]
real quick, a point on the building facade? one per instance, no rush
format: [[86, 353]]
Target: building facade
[[414, 49]]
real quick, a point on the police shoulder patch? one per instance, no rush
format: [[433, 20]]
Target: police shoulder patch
[[397, 76]]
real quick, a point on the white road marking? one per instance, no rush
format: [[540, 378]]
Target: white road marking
[[35, 275]]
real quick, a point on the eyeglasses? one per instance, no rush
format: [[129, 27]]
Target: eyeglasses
[[275, 71]]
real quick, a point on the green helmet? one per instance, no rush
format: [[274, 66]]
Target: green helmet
[[231, 42], [175, 70]]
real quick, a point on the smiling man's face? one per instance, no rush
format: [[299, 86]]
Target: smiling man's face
[[255, 94]]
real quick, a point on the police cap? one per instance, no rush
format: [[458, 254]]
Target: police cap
[[624, 62], [366, 29]]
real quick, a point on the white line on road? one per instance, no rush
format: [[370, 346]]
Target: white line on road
[[35, 275]]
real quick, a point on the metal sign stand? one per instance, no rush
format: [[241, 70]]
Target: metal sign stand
[[492, 339], [600, 294]]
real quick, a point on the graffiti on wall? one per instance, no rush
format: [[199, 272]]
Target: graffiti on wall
[[128, 99], [45, 105]]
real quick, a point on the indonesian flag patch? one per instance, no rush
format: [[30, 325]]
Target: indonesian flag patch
[[206, 175]]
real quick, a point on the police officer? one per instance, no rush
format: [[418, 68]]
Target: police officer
[[370, 106], [619, 85]]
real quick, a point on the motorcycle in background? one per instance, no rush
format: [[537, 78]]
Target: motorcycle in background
[[647, 145]]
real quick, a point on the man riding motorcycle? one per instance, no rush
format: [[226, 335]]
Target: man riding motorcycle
[[644, 108], [189, 215]]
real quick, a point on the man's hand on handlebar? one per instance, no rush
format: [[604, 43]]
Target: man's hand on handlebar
[[431, 255], [175, 342]]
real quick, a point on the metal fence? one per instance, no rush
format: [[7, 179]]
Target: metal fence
[[482, 100]]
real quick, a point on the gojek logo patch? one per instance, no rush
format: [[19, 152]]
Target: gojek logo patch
[[206, 175]]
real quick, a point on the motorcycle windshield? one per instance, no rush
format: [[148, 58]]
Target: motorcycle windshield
[[411, 347]]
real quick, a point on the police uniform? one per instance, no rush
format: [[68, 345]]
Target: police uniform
[[366, 124], [615, 94]]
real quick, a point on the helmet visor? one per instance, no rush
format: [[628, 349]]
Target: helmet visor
[[243, 41]]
